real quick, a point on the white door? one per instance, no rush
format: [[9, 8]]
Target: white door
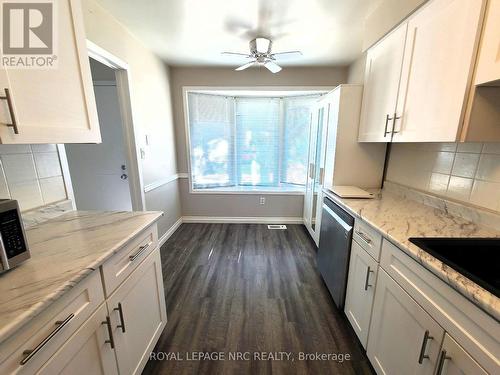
[[363, 271], [53, 105], [314, 194], [437, 67], [454, 360], [138, 314], [403, 338], [382, 76], [99, 172], [86, 352], [310, 169]]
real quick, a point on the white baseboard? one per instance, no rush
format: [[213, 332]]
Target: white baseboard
[[242, 220], [169, 232]]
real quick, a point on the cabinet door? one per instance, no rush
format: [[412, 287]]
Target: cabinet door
[[403, 338], [437, 66], [382, 75], [138, 314], [488, 65], [53, 105], [454, 360], [86, 352], [360, 291]]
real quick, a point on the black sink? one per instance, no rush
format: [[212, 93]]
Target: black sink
[[478, 259]]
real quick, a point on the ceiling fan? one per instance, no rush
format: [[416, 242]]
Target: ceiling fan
[[260, 53]]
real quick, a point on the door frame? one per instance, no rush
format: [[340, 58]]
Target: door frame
[[132, 151]]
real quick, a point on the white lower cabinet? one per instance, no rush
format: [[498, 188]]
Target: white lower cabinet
[[403, 338], [88, 351], [138, 314], [363, 271], [454, 360]]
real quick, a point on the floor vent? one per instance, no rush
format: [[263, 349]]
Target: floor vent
[[276, 226]]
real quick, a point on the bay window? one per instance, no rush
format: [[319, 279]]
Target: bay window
[[248, 143]]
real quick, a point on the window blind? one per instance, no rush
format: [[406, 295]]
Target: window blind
[[211, 140], [248, 141]]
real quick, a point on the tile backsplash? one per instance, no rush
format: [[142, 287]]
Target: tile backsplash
[[466, 172], [31, 174]]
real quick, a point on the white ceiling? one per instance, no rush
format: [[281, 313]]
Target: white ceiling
[[195, 32]]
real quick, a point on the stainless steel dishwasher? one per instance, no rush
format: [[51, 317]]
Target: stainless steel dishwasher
[[334, 249]]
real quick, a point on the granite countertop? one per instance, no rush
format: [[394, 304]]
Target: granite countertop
[[63, 251], [398, 218]]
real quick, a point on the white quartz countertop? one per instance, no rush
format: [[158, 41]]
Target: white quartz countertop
[[398, 218], [63, 251]]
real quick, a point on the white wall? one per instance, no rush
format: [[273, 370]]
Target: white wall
[[31, 174], [240, 205], [151, 103]]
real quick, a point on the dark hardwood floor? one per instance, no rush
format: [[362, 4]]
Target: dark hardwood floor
[[243, 288]]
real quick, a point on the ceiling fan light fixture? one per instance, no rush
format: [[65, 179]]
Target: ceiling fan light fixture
[[262, 45]]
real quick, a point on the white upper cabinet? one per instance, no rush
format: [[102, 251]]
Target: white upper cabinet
[[419, 79], [382, 73], [54, 105], [437, 67], [488, 66]]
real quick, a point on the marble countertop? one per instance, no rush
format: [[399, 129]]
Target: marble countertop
[[398, 218], [63, 251]]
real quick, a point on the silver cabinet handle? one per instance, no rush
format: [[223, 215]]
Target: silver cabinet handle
[[387, 119], [13, 123], [367, 280], [394, 118], [442, 359], [32, 352], [321, 175], [111, 340], [120, 313], [364, 237], [311, 171], [141, 250], [422, 354]]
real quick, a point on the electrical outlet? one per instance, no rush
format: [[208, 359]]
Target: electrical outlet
[[262, 200]]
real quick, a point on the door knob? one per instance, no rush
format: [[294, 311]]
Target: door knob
[[123, 176]]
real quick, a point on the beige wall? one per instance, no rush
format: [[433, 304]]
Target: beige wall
[[151, 104], [385, 17], [239, 205], [356, 71]]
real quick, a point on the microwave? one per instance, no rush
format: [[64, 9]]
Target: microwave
[[13, 244]]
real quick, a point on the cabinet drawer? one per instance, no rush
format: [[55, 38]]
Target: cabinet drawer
[[120, 265], [368, 238], [46, 333], [477, 332]]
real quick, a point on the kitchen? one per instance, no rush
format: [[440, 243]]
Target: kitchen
[[330, 206]]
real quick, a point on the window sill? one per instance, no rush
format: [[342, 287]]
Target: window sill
[[244, 190]]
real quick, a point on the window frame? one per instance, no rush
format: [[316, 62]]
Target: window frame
[[263, 190]]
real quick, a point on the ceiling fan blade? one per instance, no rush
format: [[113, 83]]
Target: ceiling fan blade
[[235, 54], [247, 65], [287, 54], [272, 66]]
